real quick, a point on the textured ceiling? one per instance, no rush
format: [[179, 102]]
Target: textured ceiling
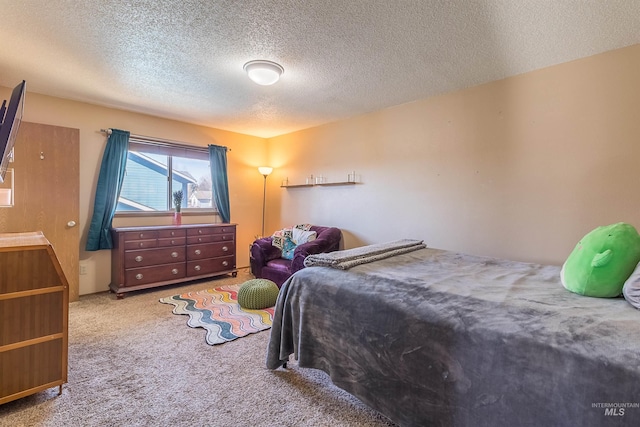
[[182, 59]]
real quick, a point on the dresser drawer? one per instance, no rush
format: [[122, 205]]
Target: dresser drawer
[[174, 232], [172, 241], [145, 257], [210, 250], [156, 273], [210, 265], [213, 229], [224, 230], [140, 244], [207, 238], [140, 235], [200, 231]]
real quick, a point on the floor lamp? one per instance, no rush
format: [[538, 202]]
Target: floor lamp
[[265, 171]]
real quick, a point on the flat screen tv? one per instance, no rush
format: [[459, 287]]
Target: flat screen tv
[[11, 116]]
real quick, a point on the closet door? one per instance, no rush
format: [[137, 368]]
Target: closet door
[[47, 187]]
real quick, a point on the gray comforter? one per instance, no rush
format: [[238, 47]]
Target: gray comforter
[[436, 338]]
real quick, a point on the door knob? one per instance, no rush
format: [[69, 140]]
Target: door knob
[[71, 224]]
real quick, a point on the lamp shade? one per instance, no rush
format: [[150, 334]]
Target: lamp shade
[[265, 170], [263, 72]]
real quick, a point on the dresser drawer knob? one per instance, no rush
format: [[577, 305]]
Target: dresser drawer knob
[[141, 244], [198, 251], [199, 231], [199, 239], [196, 268], [174, 254], [142, 235], [224, 237], [174, 271], [225, 263], [225, 249], [138, 258], [139, 276], [173, 242], [173, 233]]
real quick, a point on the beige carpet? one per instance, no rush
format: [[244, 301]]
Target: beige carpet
[[134, 363]]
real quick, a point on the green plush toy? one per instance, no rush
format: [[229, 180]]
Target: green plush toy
[[602, 261]]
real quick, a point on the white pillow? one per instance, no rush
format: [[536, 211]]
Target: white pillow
[[299, 236], [631, 288]]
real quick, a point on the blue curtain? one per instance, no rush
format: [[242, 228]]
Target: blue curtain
[[110, 180], [219, 182]]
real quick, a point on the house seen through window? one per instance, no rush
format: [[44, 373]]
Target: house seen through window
[[154, 171]]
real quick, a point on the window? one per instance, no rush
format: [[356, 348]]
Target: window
[[156, 169]]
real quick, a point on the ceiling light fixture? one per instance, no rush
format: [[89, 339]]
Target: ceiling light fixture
[[263, 72]]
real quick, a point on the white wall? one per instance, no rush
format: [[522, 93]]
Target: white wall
[[520, 168]]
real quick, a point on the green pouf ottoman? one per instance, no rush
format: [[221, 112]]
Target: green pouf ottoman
[[257, 294]]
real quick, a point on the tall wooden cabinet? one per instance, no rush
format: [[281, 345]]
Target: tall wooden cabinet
[[34, 310], [146, 257]]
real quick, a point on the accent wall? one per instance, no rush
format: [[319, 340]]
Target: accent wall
[[519, 168]]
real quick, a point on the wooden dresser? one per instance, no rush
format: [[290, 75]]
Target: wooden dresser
[[146, 257], [34, 311]]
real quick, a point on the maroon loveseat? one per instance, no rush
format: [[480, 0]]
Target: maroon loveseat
[[267, 262]]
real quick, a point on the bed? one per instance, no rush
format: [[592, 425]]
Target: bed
[[438, 338]]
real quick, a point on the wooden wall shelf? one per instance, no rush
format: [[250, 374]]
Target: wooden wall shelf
[[328, 184], [324, 184], [296, 185]]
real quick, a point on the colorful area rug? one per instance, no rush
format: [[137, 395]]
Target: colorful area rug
[[217, 310]]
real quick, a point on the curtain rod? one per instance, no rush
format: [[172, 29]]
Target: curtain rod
[[152, 139]]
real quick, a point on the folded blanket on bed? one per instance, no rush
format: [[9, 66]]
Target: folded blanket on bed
[[348, 258]]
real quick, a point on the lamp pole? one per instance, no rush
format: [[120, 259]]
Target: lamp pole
[[265, 171], [264, 202]]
